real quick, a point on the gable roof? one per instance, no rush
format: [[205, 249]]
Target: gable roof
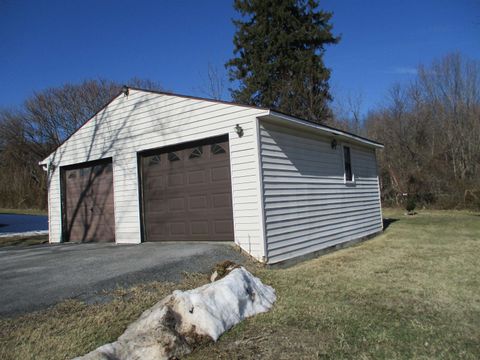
[[272, 114]]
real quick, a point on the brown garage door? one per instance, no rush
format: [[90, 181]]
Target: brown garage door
[[88, 213], [186, 192]]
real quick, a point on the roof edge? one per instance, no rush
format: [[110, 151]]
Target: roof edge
[[169, 93], [324, 128], [274, 113], [45, 161]]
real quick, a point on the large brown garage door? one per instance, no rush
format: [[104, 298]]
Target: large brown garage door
[[88, 213], [186, 192]]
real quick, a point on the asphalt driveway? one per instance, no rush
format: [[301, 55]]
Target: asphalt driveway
[[39, 276]]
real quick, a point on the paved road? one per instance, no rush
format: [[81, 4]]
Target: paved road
[[16, 223], [39, 276]]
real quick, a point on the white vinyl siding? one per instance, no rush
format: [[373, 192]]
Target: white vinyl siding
[[289, 192], [144, 120], [54, 208], [308, 206]]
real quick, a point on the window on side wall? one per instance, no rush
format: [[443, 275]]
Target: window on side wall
[[347, 160]]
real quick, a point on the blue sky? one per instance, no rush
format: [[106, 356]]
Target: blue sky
[[48, 43]]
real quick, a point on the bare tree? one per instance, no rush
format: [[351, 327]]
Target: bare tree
[[31, 132], [431, 129], [347, 112], [214, 83], [145, 84]]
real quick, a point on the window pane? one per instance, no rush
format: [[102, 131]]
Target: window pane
[[217, 149], [173, 156], [98, 169], [154, 160], [348, 163], [196, 153]]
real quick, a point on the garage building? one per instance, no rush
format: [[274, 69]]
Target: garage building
[[156, 166]]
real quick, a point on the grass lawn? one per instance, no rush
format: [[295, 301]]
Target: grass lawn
[[412, 292], [23, 211], [23, 240]]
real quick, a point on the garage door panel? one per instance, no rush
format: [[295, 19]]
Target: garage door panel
[[156, 212], [223, 226], [195, 202], [178, 228], [157, 230], [175, 180], [157, 194], [154, 174], [88, 203], [175, 204], [220, 174], [196, 177], [92, 209], [221, 201], [199, 228]]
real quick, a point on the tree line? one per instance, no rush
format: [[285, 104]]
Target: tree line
[[30, 132], [430, 126], [431, 131]]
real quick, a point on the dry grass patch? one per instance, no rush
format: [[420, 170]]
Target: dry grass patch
[[410, 293], [73, 328], [23, 240]]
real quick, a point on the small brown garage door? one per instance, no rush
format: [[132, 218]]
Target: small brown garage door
[[88, 213], [186, 192]]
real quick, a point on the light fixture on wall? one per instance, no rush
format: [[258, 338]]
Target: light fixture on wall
[[239, 130], [125, 90], [333, 144]]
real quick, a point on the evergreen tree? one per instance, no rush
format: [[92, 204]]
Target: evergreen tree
[[279, 47]]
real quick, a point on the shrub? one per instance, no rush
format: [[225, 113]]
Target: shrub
[[411, 204]]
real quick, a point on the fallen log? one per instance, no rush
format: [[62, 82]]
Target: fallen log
[[185, 319]]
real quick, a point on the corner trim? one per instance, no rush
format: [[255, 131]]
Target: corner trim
[[260, 192]]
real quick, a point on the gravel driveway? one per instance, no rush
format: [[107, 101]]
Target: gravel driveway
[[39, 276]]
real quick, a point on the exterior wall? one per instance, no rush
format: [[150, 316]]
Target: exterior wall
[[308, 205], [144, 120]]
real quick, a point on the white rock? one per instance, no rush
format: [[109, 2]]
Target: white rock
[[172, 326]]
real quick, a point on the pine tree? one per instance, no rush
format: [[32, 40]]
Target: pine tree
[[279, 47]]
